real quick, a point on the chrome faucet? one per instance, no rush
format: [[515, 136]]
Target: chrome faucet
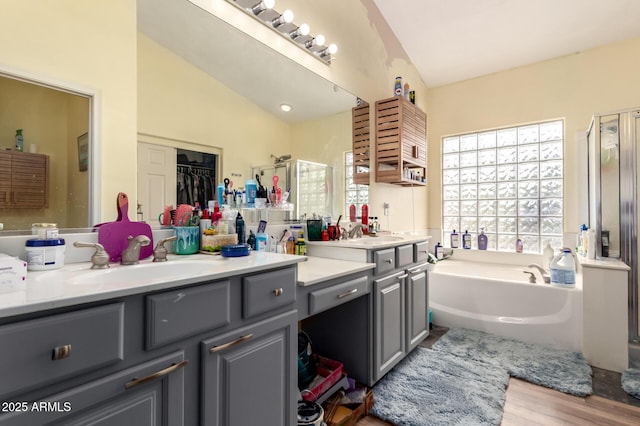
[[545, 276], [100, 259], [131, 254], [160, 252], [356, 230]]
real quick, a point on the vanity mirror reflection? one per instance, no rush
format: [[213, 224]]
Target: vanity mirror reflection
[[49, 181], [248, 66]]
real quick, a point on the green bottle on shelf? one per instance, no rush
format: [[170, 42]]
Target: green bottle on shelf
[[19, 140]]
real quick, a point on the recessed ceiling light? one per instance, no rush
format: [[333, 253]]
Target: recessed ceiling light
[[285, 107]]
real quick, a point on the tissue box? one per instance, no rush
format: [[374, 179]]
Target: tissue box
[[13, 273]]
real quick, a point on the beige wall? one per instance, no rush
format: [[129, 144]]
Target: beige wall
[[573, 87], [83, 44]]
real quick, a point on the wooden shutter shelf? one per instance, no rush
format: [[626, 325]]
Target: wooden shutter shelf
[[361, 144], [401, 142]]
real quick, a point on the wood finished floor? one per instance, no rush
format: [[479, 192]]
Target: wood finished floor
[[529, 405]]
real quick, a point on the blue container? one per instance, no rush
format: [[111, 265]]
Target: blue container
[[251, 189]]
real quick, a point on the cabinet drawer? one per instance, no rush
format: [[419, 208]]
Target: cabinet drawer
[[321, 300], [404, 255], [40, 351], [385, 261], [270, 290], [421, 251], [174, 315]]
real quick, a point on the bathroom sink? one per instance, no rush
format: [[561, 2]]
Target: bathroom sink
[[148, 272]]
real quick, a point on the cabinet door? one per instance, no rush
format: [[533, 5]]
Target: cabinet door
[[389, 301], [148, 394], [417, 321], [249, 375]]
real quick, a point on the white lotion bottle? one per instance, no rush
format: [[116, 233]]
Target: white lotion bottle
[[547, 256]]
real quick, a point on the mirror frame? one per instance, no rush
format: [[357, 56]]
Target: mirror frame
[[94, 196]]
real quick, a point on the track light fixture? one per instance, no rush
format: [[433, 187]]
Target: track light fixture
[[283, 24]]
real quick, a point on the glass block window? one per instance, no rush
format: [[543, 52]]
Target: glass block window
[[354, 193], [508, 182]]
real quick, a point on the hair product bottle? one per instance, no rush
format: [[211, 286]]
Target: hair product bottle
[[466, 240], [455, 239]]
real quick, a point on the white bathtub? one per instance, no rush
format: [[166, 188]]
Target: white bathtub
[[498, 298]]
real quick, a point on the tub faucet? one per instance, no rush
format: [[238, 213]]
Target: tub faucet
[[545, 276], [131, 254]]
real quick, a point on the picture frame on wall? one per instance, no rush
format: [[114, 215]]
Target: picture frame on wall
[[83, 152]]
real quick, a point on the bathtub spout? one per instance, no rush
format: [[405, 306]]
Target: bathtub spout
[[545, 276]]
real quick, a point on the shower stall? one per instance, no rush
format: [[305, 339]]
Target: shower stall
[[614, 192]]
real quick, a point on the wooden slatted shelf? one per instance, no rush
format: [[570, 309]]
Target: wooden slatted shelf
[[24, 180], [361, 144], [401, 142]]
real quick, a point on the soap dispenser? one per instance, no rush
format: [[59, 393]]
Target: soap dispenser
[[482, 240], [439, 251]]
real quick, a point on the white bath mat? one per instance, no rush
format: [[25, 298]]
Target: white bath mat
[[558, 369]]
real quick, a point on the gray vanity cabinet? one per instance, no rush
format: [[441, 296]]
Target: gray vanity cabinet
[[389, 305], [400, 305], [249, 375], [417, 297], [151, 393]]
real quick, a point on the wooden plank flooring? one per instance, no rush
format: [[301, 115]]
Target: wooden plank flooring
[[529, 404]]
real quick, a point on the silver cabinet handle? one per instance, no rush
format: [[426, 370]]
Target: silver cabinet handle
[[278, 292], [389, 261], [390, 289], [170, 369], [401, 277], [348, 293], [61, 352], [232, 343]]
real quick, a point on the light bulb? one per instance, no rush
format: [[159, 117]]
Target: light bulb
[[285, 107], [285, 18], [302, 30], [319, 40], [332, 49], [262, 6]]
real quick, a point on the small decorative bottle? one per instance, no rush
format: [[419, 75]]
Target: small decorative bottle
[[519, 246], [466, 240], [439, 251], [482, 240], [455, 239], [19, 140]]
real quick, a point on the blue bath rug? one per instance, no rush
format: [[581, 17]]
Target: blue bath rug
[[557, 369], [631, 382], [438, 388]]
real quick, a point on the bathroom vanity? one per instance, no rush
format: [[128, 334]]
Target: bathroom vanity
[[201, 339]]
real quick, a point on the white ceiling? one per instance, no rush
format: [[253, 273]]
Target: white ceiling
[[455, 40]]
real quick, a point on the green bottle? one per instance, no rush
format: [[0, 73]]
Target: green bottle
[[19, 140]]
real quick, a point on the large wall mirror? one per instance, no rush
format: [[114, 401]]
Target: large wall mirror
[[55, 160]]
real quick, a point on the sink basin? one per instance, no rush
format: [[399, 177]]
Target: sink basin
[[155, 272]]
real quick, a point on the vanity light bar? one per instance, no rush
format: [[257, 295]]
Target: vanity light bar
[[282, 23]]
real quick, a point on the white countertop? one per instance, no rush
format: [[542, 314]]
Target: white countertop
[[77, 283], [318, 269], [367, 242], [608, 263]]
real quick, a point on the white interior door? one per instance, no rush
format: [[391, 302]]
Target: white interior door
[[156, 180]]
